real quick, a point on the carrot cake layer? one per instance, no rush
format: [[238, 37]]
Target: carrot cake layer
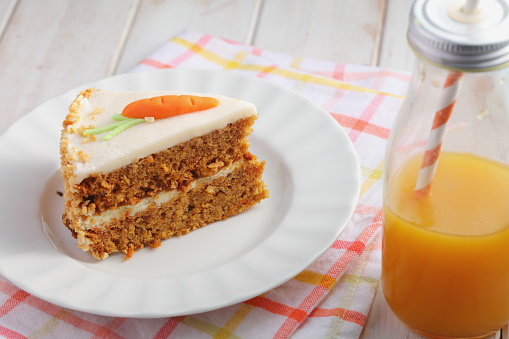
[[131, 161]]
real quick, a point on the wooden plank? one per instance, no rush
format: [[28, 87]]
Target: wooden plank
[[54, 45], [395, 52], [158, 21], [383, 324], [340, 31]]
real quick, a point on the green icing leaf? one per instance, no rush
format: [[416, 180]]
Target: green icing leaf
[[115, 128], [122, 127], [99, 130], [119, 117]]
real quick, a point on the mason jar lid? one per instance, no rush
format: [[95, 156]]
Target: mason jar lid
[[448, 33]]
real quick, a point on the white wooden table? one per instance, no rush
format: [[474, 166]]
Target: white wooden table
[[50, 46]]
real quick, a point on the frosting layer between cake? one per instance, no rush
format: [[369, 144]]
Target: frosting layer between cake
[[92, 220]]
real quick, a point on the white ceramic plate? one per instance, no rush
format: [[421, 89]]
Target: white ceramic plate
[[312, 173]]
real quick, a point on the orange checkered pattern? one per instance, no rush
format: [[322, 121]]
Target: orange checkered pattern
[[329, 299]]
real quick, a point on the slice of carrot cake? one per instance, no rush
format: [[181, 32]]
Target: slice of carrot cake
[[140, 167]]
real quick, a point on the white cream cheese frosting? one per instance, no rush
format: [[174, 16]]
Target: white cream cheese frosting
[[94, 155]]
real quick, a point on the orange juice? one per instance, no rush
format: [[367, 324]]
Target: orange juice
[[445, 268]]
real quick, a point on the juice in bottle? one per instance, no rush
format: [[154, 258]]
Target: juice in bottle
[[446, 256]]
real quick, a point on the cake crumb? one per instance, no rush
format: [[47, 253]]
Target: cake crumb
[[210, 189], [88, 138], [216, 164], [95, 112], [155, 244], [129, 253], [67, 122], [82, 156], [82, 129]]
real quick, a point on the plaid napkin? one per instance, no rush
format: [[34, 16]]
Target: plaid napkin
[[331, 298]]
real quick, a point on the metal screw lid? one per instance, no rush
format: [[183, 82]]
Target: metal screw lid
[[449, 33]]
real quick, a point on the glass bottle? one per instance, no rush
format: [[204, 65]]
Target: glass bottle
[[445, 257]]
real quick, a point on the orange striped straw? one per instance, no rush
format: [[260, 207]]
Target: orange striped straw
[[434, 143]]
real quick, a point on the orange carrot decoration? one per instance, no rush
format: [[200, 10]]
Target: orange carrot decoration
[[167, 106], [157, 107]]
